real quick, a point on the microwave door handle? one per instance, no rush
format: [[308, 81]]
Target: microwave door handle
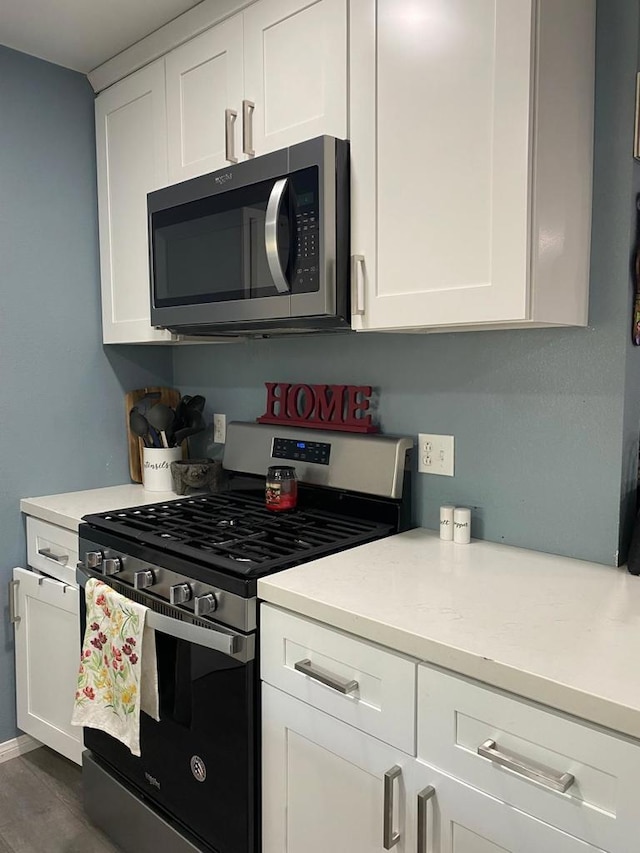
[[271, 235]]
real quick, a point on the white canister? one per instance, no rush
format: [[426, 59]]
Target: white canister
[[156, 467], [462, 525], [446, 523]]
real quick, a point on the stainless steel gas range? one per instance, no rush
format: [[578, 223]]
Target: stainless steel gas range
[[195, 563]]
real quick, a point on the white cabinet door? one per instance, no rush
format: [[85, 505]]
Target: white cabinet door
[[204, 80], [450, 176], [471, 125], [131, 144], [459, 819], [47, 638], [295, 65], [323, 782]]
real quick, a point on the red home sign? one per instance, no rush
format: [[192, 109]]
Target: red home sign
[[337, 407]]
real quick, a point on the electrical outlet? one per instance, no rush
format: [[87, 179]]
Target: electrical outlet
[[435, 454], [219, 429]]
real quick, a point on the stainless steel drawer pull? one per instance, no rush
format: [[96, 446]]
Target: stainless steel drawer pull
[[342, 685], [57, 558], [423, 825], [247, 128], [537, 772], [230, 117], [13, 602], [389, 837]]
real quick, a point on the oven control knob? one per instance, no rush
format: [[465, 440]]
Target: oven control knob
[[93, 559], [143, 579], [111, 566], [204, 604], [179, 593]]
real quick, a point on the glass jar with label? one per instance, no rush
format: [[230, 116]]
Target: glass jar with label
[[281, 492]]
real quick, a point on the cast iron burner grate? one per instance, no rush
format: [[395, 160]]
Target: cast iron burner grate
[[237, 533]]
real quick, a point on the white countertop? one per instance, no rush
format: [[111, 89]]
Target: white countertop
[[67, 510], [562, 632]]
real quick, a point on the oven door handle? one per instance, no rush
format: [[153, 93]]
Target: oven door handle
[[271, 235], [238, 646]]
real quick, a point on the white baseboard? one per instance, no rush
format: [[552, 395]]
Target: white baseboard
[[17, 746]]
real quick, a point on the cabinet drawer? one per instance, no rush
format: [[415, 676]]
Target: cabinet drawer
[[457, 718], [298, 655], [52, 549], [463, 820]]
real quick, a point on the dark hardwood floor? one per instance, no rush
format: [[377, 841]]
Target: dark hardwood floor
[[41, 807]]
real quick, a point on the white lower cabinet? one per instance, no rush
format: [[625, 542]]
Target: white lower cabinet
[[488, 772], [45, 614], [329, 787], [324, 783], [455, 818]]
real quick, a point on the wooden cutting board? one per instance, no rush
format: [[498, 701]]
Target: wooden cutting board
[[168, 396]]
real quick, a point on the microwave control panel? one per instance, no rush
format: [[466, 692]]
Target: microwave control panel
[[301, 451], [307, 267]]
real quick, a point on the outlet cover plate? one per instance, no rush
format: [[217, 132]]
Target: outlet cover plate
[[219, 429], [436, 454]]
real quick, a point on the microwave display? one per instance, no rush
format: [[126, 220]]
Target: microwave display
[[216, 249]]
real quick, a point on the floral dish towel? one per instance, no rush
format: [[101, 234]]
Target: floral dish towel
[[118, 675]]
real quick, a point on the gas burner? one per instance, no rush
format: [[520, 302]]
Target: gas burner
[[234, 531]]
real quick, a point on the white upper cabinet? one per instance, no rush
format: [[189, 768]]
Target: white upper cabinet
[[266, 78], [471, 146], [131, 142], [295, 66], [204, 96]]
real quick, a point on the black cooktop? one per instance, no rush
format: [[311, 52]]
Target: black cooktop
[[234, 531]]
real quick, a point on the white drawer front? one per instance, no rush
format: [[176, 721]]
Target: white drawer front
[[382, 702], [53, 550], [457, 717]]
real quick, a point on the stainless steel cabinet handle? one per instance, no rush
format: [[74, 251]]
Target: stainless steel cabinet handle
[[57, 558], [389, 837], [342, 685], [544, 775], [271, 235], [357, 284], [247, 128], [230, 117], [13, 602], [423, 825]]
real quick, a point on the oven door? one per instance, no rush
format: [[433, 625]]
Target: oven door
[[198, 763], [250, 244]]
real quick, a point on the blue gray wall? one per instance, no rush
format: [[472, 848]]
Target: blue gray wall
[[61, 393], [546, 422], [540, 417]]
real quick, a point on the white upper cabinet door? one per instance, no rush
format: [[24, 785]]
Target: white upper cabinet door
[[471, 141], [47, 636], [131, 144], [450, 177], [295, 61], [204, 82]]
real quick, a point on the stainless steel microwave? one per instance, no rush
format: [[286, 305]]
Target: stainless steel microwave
[[260, 247]]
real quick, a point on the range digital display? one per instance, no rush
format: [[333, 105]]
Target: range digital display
[[317, 452]]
